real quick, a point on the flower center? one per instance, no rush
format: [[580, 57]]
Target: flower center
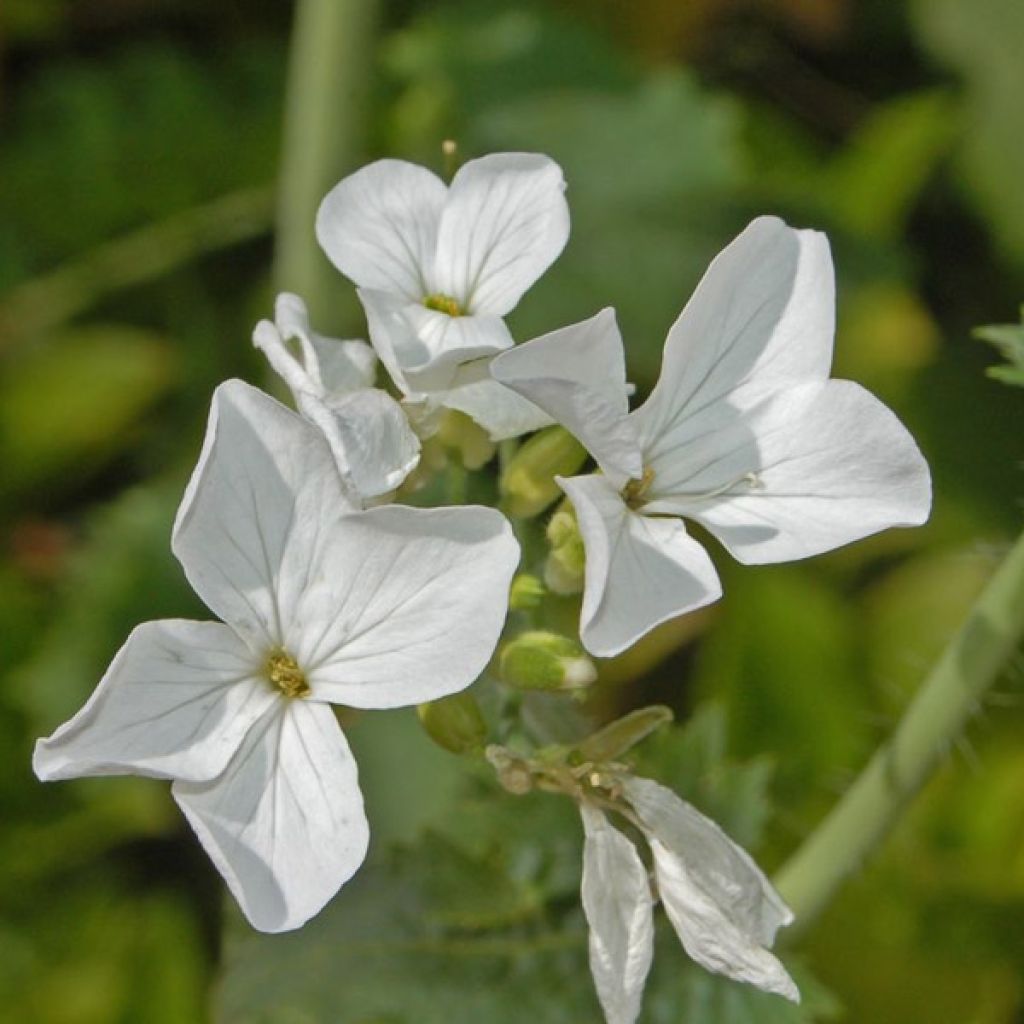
[[634, 492], [283, 671], [443, 304]]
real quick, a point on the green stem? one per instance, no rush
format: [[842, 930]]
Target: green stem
[[952, 692], [52, 299], [326, 114]]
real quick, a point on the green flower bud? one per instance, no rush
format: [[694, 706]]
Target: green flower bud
[[528, 482], [563, 570], [539, 660], [468, 439], [454, 723], [527, 592], [623, 734]]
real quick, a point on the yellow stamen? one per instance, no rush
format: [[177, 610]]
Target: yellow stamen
[[283, 671], [443, 304]]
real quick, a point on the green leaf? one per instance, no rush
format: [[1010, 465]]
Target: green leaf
[[1009, 340]]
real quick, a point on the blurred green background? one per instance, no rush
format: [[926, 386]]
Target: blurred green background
[[140, 145]]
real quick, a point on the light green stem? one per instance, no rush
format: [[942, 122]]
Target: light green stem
[[48, 301], [952, 692], [326, 113]]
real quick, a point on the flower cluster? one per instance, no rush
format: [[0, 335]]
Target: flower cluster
[[328, 592]]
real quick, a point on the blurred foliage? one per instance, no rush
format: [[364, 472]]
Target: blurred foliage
[[1009, 340], [895, 127]]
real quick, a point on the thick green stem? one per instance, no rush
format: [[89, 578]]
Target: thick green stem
[[952, 692], [326, 113]]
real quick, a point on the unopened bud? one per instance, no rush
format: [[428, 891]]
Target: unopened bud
[[454, 723], [457, 431], [513, 772], [527, 592], [539, 660], [564, 568], [528, 482], [623, 734]]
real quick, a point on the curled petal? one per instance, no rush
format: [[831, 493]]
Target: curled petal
[[176, 702], [379, 227], [723, 908], [578, 376], [284, 822], [639, 572], [763, 313], [617, 902], [504, 224]]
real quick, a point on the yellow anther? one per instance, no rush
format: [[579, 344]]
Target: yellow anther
[[443, 304], [283, 671]]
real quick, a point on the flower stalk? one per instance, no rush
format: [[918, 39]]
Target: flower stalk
[[970, 664]]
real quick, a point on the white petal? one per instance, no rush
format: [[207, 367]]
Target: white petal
[[617, 902], [407, 605], [498, 409], [284, 823], [832, 464], [176, 702], [639, 570], [370, 436], [764, 312], [267, 337], [256, 511], [379, 226], [578, 376], [721, 905], [505, 222]]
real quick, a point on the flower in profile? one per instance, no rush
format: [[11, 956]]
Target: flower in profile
[[438, 267], [332, 384], [744, 433], [720, 904], [320, 604]]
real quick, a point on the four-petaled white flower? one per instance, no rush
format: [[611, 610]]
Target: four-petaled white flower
[[332, 384], [438, 268], [743, 433], [371, 609], [720, 904]]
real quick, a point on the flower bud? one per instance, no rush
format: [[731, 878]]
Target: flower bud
[[455, 430], [623, 734], [539, 660], [454, 723], [528, 482], [563, 570], [527, 592]]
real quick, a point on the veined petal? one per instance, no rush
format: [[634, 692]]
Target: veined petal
[[617, 902], [379, 226], [176, 702], [498, 409], [284, 822], [723, 908], [406, 606], [504, 224], [450, 341], [639, 570], [257, 511], [577, 375], [764, 312], [830, 464], [373, 439]]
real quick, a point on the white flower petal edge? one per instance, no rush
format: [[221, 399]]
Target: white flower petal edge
[[284, 822], [723, 908], [764, 311], [424, 593], [639, 570], [176, 702], [618, 905], [577, 375], [805, 469]]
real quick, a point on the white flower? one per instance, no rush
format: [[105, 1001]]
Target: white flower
[[332, 383], [438, 267], [720, 904], [744, 433], [376, 609]]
